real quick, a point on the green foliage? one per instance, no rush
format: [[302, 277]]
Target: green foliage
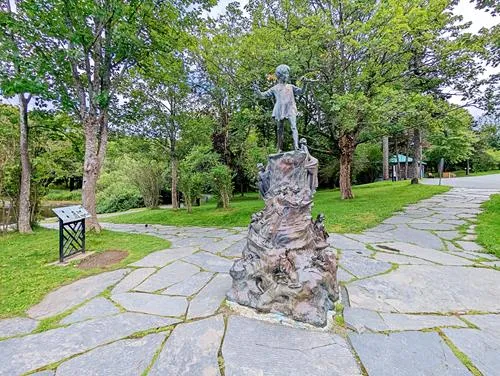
[[375, 202], [63, 195], [118, 197], [484, 160], [148, 176], [454, 139], [486, 155], [222, 179], [115, 191], [488, 225], [367, 164], [195, 174], [25, 276]]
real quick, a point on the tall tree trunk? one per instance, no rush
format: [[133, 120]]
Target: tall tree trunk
[[24, 215], [175, 178], [396, 147], [385, 155], [96, 138], [407, 150], [417, 155], [347, 146]]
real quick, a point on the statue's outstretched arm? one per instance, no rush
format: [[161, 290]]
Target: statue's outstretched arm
[[262, 94]]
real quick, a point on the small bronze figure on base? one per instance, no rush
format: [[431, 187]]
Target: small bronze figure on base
[[284, 106]]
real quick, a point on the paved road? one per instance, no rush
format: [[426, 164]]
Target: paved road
[[414, 285], [485, 182]]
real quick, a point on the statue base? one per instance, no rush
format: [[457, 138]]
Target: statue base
[[286, 266]]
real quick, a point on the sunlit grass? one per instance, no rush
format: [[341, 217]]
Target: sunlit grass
[[372, 204]]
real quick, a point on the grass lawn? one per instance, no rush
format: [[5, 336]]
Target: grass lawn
[[25, 277], [488, 225], [461, 173], [372, 204]]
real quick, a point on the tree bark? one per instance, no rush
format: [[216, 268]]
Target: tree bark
[[407, 150], [347, 146], [175, 198], [24, 214], [398, 166], [96, 138], [417, 156], [385, 159]]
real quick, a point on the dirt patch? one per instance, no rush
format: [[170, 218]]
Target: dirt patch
[[103, 259]]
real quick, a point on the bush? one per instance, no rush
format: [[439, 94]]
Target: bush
[[222, 179], [63, 195], [148, 176], [118, 197], [486, 160]]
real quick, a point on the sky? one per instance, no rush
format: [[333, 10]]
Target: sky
[[465, 8]]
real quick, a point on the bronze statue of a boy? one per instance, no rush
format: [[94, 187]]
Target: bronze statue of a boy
[[284, 106]]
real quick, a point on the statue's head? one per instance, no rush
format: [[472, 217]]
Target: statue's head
[[283, 72], [321, 217], [260, 166], [303, 141]]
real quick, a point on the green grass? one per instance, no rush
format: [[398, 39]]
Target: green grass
[[372, 204], [25, 276], [488, 225], [63, 195], [461, 173]]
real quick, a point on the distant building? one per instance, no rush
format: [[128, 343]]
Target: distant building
[[398, 167]]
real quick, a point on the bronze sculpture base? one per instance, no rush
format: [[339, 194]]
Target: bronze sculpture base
[[286, 266]]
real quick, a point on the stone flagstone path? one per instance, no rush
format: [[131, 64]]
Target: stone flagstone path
[[419, 299]]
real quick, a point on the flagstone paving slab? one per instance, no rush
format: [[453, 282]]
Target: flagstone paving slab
[[363, 266], [153, 304], [20, 355], [210, 262], [400, 259], [191, 349], [98, 307], [362, 320], [132, 280], [343, 242], [253, 347], [208, 300], [129, 357], [482, 348], [235, 249], [448, 235], [469, 246], [419, 237], [167, 276], [428, 288], [161, 258], [16, 326], [75, 293], [495, 263], [425, 253], [432, 226], [190, 285], [406, 354]]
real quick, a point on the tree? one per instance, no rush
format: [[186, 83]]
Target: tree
[[89, 46], [453, 139], [19, 78], [366, 55], [158, 107], [9, 176]]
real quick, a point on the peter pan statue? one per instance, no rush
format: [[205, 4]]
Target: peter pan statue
[[284, 106]]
